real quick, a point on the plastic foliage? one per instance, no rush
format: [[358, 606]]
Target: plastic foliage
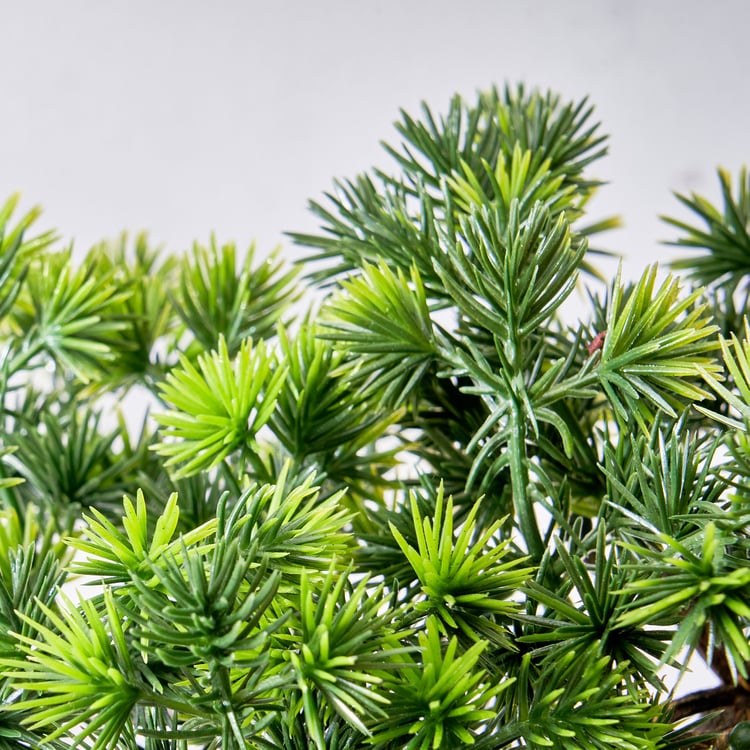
[[431, 511]]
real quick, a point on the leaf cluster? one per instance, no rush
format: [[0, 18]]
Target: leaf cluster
[[434, 514]]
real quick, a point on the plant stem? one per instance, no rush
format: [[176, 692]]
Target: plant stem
[[519, 476], [705, 701]]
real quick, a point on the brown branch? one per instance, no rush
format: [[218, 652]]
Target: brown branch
[[729, 703], [706, 701]]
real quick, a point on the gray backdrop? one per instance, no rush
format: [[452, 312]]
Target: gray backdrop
[[184, 118]]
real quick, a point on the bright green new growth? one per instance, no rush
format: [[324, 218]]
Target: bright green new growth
[[435, 514], [218, 407], [463, 579]]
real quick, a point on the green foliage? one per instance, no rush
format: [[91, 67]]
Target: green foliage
[[594, 627], [147, 322], [578, 702], [346, 643], [216, 298], [296, 529], [653, 356], [726, 236], [218, 407], [31, 571], [68, 462], [466, 581], [323, 426], [65, 312], [736, 356], [508, 273], [441, 701], [668, 481], [433, 514], [385, 322], [453, 161], [83, 666], [689, 584], [121, 556], [16, 252]]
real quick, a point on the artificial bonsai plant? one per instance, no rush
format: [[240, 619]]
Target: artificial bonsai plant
[[431, 514]]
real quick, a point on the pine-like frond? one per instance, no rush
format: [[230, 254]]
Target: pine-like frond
[[725, 236], [219, 405]]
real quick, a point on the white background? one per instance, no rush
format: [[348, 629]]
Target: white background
[[183, 118]]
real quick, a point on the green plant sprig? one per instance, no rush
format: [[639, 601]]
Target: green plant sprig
[[430, 513]]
